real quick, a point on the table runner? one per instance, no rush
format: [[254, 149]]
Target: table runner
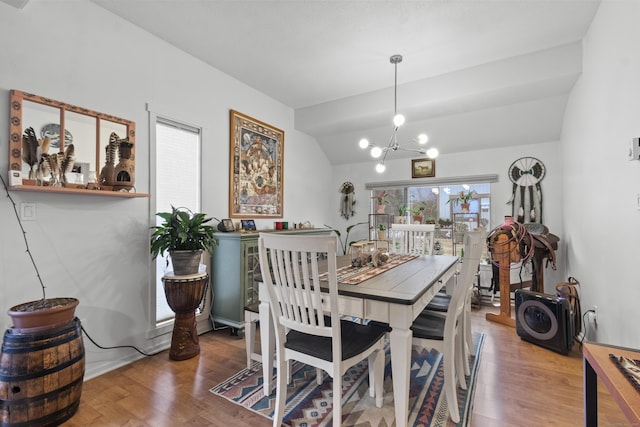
[[354, 275]]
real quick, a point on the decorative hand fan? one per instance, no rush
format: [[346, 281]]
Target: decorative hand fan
[[526, 201]]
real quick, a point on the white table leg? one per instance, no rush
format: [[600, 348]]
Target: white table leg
[[267, 345], [400, 343]]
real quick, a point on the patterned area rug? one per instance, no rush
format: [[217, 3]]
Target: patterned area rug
[[309, 404], [354, 275]]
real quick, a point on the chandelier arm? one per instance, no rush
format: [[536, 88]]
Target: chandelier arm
[[414, 150], [393, 141]]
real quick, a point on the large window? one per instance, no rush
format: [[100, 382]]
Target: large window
[[177, 182], [435, 203]]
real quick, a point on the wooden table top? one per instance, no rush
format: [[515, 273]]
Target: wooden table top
[[403, 284], [620, 388]]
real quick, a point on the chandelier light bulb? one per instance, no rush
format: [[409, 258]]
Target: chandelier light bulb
[[398, 120], [376, 152], [423, 139], [380, 167], [432, 153], [364, 143]]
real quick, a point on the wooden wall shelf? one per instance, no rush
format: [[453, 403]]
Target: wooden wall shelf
[[78, 191]]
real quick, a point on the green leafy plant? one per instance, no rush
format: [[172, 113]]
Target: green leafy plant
[[418, 208], [402, 209], [463, 197], [344, 244], [182, 230]]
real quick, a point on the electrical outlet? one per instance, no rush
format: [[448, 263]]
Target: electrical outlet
[[595, 314]]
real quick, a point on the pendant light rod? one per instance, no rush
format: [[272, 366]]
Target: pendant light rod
[[395, 60]]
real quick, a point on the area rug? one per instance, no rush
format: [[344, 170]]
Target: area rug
[[309, 404]]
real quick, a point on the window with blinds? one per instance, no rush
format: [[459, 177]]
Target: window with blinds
[[177, 183]]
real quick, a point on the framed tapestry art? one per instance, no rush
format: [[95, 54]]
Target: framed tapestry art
[[423, 168], [256, 168]]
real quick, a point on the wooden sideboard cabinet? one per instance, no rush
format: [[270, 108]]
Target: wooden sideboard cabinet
[[234, 264]]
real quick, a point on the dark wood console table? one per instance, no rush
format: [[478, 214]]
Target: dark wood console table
[[597, 364]]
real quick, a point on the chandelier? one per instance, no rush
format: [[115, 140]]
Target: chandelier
[[398, 120]]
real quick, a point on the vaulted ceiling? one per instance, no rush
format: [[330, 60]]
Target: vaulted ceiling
[[475, 74]]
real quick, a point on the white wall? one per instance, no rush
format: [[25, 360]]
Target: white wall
[[96, 248], [495, 161], [601, 186]]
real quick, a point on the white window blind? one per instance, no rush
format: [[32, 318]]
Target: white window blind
[[178, 184]]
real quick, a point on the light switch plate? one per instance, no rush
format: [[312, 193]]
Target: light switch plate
[[27, 211]]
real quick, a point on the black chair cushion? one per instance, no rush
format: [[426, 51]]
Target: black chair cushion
[[440, 303], [356, 338], [428, 326]]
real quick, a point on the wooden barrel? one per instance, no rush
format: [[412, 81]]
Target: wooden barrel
[[41, 375]]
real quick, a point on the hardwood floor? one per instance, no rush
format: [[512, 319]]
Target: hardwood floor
[[519, 384]]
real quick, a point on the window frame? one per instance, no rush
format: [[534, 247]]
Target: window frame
[[156, 116]]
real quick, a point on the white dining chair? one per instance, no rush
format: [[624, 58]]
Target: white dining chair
[[446, 334], [413, 239], [440, 302], [251, 318], [307, 321]]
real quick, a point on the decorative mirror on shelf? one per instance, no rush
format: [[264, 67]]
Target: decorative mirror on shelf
[[64, 148]]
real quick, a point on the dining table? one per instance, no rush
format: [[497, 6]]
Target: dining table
[[395, 296]]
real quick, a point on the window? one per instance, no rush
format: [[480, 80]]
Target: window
[[177, 179], [435, 203]]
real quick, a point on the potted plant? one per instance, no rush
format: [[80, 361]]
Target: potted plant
[[417, 212], [381, 201], [184, 235], [345, 244], [45, 313], [382, 234], [459, 228], [463, 198], [44, 341], [402, 212]]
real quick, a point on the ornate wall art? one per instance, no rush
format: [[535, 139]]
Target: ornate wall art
[[256, 169]]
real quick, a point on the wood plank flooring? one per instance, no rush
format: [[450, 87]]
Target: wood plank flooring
[[519, 384]]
